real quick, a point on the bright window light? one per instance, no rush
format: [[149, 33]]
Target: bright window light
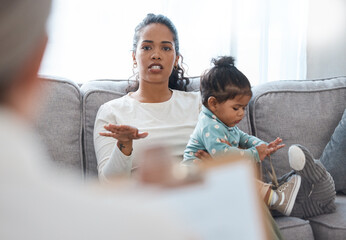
[[91, 39]]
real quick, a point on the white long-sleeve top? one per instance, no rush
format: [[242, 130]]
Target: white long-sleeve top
[[170, 123]]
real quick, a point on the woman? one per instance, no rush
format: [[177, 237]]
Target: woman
[[156, 111]]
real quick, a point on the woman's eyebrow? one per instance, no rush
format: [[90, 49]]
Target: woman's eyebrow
[[151, 41], [147, 41], [167, 42]]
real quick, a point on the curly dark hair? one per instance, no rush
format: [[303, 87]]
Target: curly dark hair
[[223, 81], [177, 80]]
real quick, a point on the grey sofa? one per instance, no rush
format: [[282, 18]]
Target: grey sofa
[[304, 112]]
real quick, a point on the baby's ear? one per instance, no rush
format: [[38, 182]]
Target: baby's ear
[[212, 103]]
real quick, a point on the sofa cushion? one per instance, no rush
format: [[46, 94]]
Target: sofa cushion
[[331, 226], [294, 228], [334, 155], [97, 92], [59, 122], [300, 112]]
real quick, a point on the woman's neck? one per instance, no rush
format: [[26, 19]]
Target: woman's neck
[[152, 93]]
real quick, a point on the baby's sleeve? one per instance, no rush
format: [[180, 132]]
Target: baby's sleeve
[[248, 141], [211, 137]]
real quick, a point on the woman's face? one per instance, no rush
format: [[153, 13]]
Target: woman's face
[[155, 54]]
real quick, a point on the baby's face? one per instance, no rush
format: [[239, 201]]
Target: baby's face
[[231, 112]]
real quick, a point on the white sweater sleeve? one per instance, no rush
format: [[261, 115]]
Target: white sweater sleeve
[[110, 160]]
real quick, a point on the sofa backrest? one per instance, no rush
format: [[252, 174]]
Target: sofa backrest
[[97, 92], [59, 123], [300, 112], [304, 112]]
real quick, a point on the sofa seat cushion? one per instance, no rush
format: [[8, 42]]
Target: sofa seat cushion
[[300, 112], [294, 228], [60, 122], [331, 226]]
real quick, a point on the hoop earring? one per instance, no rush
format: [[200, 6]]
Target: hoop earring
[[135, 70]]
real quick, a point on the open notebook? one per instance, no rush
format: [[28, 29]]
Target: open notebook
[[224, 206]]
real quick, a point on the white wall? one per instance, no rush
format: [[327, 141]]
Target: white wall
[[326, 49]]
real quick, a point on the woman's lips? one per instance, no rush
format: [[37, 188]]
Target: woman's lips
[[155, 68]]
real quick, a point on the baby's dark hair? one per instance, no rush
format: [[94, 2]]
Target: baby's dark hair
[[223, 81]]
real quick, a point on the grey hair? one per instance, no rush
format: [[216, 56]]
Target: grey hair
[[22, 26]]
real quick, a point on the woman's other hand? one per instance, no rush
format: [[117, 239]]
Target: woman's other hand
[[203, 156]]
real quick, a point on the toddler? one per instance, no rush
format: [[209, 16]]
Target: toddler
[[225, 93]]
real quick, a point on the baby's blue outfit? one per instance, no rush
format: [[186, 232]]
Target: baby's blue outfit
[[208, 132]]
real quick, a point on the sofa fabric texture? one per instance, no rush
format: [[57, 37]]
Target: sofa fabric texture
[[300, 112], [60, 122], [334, 155], [331, 226], [294, 228]]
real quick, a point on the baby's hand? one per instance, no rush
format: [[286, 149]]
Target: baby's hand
[[262, 151], [266, 150], [275, 145]]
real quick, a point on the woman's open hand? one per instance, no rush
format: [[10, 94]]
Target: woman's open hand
[[125, 134]]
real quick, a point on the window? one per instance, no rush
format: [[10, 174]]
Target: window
[[91, 39]]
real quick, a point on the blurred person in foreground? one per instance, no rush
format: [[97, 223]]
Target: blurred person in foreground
[[33, 203]]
